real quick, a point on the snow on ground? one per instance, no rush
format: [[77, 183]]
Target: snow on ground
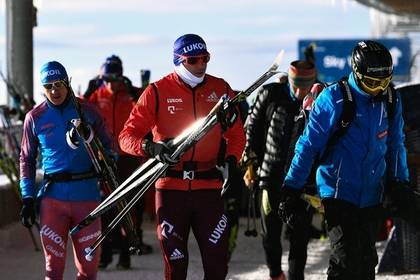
[[18, 260]]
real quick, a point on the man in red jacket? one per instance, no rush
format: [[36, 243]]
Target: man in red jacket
[[188, 196], [115, 98]]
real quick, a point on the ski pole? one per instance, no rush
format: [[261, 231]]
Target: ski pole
[[251, 214], [32, 236], [248, 218], [254, 214]]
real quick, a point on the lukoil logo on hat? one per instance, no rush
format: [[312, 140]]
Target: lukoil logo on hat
[[189, 45], [194, 47], [53, 71]]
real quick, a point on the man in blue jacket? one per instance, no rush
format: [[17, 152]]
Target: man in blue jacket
[[70, 190], [351, 170]]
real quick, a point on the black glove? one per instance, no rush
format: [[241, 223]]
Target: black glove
[[229, 172], [160, 150], [292, 208], [227, 114], [402, 201], [27, 213]]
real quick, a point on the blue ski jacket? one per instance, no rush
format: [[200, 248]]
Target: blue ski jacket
[[45, 129], [354, 167]]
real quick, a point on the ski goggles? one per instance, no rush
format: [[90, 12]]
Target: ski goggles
[[112, 78], [192, 60], [374, 84], [56, 84]]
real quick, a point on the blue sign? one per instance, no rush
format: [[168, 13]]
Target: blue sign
[[333, 57]]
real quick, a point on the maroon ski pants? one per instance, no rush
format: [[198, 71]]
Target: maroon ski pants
[[201, 211]]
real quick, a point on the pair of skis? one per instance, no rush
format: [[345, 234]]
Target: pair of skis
[[145, 176], [105, 168]]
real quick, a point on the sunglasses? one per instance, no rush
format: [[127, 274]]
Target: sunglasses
[[192, 60], [56, 84], [374, 84]]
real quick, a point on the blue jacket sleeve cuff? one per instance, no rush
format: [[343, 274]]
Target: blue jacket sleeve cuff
[[27, 188]]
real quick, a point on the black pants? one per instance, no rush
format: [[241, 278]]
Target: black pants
[[116, 240], [271, 235], [352, 233]]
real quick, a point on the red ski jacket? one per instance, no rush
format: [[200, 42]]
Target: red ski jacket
[[115, 108], [167, 108]]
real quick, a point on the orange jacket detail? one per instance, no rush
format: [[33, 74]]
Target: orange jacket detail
[[115, 108]]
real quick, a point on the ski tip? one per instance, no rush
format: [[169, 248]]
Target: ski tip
[[277, 61], [75, 230]]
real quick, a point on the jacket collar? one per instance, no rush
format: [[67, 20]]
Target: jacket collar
[[180, 81]]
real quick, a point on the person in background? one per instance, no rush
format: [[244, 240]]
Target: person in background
[[350, 173], [70, 188], [97, 81], [115, 99], [275, 122], [188, 197]]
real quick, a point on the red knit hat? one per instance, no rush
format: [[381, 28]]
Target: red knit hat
[[302, 74]]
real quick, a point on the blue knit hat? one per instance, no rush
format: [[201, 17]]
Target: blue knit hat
[[189, 45], [53, 71]]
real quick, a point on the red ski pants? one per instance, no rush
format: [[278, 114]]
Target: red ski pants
[[57, 218]]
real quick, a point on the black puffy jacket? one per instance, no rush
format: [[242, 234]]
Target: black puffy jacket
[[274, 124]]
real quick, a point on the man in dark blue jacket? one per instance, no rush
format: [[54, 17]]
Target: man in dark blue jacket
[[350, 173]]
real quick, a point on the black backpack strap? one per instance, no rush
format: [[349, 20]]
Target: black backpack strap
[[155, 90], [391, 102], [347, 115]]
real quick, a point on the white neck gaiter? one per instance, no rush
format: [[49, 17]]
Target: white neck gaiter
[[187, 77]]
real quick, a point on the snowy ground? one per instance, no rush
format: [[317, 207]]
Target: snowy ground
[[18, 260]]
